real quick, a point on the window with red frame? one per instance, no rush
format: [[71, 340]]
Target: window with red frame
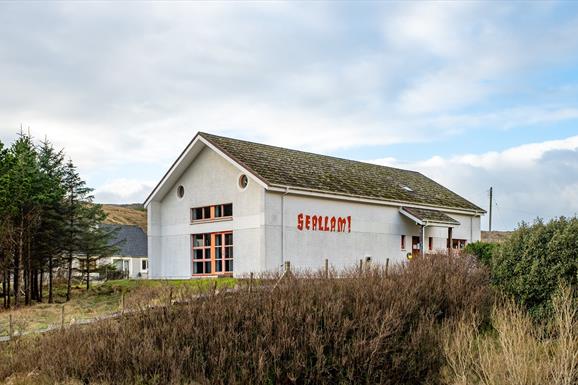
[[212, 253], [212, 212]]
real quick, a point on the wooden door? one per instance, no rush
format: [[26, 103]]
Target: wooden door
[[415, 247]]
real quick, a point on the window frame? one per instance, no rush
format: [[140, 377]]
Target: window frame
[[212, 210], [212, 247], [457, 243]]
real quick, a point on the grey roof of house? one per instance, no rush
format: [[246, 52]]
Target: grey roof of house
[[430, 216], [283, 167], [131, 240]]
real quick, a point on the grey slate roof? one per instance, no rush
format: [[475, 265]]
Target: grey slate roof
[[430, 216], [131, 240], [283, 167]]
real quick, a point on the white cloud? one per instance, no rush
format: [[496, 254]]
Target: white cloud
[[123, 191], [124, 88], [537, 179]]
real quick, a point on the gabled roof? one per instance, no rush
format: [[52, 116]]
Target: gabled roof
[[428, 217], [281, 168], [131, 240]]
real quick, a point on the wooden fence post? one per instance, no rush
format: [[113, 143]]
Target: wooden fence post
[[326, 268], [10, 328], [171, 296], [361, 266], [250, 282], [287, 266], [62, 318], [386, 266], [122, 303]]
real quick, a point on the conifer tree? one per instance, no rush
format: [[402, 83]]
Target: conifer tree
[[77, 196], [23, 209], [6, 248], [50, 237], [95, 240], [47, 220]]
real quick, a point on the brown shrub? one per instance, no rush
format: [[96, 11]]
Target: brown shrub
[[518, 351], [359, 328]]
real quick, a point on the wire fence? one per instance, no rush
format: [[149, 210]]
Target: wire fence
[[45, 318]]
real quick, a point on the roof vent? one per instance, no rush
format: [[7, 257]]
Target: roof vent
[[406, 188]]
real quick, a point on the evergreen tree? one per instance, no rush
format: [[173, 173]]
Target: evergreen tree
[[77, 197], [6, 248], [50, 237], [21, 184], [47, 219], [95, 240]]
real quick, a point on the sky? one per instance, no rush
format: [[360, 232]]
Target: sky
[[472, 94]]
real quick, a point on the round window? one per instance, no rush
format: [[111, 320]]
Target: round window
[[243, 181], [180, 191]]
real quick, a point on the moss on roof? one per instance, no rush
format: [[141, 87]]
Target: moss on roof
[[278, 166]]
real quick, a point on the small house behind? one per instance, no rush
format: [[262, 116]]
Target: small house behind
[[131, 257]]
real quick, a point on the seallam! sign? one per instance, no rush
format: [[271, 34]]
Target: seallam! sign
[[323, 223]]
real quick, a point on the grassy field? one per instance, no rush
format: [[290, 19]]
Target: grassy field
[[101, 300]]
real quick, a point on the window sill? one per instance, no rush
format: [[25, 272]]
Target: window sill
[[201, 221], [215, 275]]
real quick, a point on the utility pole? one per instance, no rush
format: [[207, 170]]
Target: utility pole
[[490, 212]]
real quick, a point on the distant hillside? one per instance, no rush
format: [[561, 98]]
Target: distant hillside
[[128, 214], [495, 236]]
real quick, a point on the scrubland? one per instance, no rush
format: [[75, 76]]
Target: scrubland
[[435, 320]]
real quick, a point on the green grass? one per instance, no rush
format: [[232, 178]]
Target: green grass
[[100, 300], [129, 284]]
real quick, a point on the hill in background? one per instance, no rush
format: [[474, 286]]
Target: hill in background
[[495, 236], [126, 214]]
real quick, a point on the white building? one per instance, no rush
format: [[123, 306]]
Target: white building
[[230, 207], [131, 256]]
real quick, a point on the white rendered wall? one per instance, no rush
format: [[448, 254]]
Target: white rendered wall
[[208, 181], [375, 231], [154, 249]]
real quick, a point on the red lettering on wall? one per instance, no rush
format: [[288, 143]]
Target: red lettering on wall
[[324, 223], [340, 224]]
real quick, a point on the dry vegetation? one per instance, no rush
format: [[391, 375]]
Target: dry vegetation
[[125, 215], [362, 329], [101, 300], [516, 351], [432, 321], [495, 236]]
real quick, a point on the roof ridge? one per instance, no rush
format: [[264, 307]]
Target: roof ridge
[[306, 152]]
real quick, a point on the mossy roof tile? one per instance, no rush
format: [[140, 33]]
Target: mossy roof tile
[[278, 166]]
